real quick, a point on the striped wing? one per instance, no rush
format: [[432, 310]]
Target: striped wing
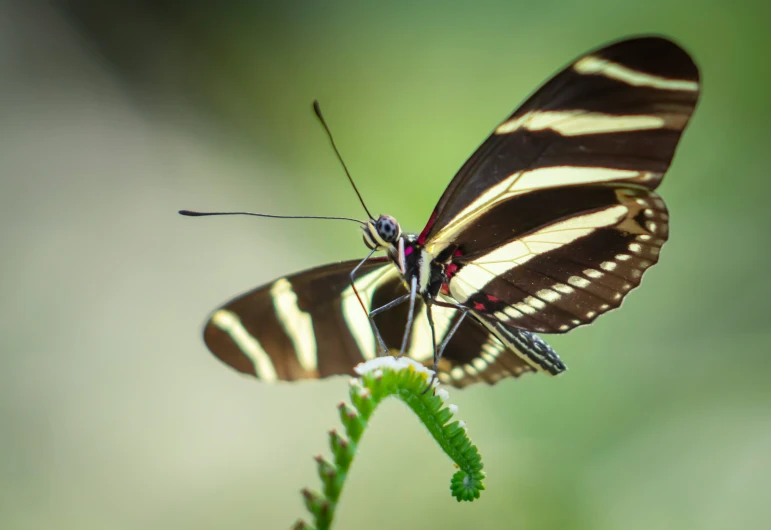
[[554, 219], [310, 325]]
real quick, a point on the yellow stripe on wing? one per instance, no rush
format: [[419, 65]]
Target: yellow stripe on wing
[[229, 322]]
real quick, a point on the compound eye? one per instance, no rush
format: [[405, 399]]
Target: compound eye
[[387, 228]]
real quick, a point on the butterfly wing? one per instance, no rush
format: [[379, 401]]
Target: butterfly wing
[[553, 220], [311, 325]]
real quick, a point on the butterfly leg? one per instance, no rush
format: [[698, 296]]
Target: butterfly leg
[[438, 353], [430, 317], [389, 305], [410, 315], [375, 331]]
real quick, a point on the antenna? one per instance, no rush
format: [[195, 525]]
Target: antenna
[[317, 110], [191, 213]]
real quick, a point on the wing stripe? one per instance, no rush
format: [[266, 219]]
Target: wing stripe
[[498, 262], [229, 322], [510, 187], [550, 177], [297, 324], [583, 122], [593, 65]]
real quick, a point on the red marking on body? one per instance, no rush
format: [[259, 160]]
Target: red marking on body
[[451, 269], [424, 234], [445, 289], [457, 253], [493, 298], [479, 307], [408, 251]]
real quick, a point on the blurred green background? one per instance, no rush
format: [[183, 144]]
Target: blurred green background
[[113, 415]]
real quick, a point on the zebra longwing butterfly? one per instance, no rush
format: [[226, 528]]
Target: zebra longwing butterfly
[[550, 223]]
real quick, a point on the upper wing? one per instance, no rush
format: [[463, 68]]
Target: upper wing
[[613, 115], [554, 219], [311, 325]]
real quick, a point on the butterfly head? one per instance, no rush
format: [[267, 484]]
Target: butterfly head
[[382, 233]]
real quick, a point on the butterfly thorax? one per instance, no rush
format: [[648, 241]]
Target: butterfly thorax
[[415, 261]]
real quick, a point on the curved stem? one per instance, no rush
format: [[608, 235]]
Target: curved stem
[[406, 380]]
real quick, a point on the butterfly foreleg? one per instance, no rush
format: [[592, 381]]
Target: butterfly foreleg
[[371, 315], [375, 331], [410, 315], [438, 352]]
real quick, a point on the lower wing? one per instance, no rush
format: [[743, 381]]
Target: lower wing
[[311, 325]]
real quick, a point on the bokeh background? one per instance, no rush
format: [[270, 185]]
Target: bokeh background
[[113, 415]]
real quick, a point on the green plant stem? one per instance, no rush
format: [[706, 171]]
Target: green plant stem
[[405, 379]]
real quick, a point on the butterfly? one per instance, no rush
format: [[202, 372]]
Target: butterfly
[[549, 224]]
